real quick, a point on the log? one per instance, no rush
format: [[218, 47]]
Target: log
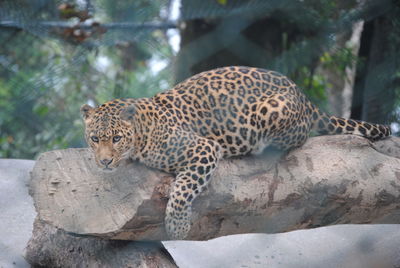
[[329, 180], [52, 247]]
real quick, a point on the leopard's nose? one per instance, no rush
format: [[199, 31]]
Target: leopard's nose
[[106, 161]]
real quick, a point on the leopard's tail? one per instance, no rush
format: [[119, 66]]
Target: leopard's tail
[[326, 125]]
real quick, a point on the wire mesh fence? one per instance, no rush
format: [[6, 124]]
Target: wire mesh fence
[[57, 55]]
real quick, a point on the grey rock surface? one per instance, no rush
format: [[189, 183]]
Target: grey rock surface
[[347, 246], [16, 210]]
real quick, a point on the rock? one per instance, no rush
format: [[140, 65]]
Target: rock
[[329, 180], [16, 210], [350, 246]]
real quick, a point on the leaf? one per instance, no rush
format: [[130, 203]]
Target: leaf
[[222, 2], [41, 110]]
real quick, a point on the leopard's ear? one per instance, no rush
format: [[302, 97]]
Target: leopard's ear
[[86, 112], [128, 113]]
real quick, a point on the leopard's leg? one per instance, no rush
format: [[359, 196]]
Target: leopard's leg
[[190, 181]]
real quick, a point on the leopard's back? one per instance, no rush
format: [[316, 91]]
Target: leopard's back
[[244, 109]]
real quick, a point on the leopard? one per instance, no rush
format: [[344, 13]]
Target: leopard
[[224, 112]]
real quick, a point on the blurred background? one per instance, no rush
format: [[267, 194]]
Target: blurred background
[[57, 55]]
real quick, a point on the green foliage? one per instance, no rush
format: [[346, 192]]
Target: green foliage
[[44, 81], [338, 60], [314, 86], [45, 75]]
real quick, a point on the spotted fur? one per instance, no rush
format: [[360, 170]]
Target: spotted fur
[[219, 113]]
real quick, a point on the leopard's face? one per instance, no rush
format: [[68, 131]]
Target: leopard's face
[[108, 135]]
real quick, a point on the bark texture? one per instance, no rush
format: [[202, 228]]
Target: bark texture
[[52, 247], [329, 180], [341, 82]]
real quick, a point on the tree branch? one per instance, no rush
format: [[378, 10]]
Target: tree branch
[[50, 247], [329, 180], [115, 25]]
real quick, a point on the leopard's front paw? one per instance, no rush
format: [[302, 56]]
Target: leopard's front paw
[[177, 223]]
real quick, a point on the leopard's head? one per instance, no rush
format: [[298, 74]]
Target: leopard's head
[[109, 132]]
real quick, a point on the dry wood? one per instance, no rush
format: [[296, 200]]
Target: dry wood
[[329, 180], [51, 247]]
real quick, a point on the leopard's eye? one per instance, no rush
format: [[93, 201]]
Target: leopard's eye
[[95, 139], [116, 139]]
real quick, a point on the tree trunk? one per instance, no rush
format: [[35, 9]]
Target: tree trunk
[[377, 78], [341, 81], [50, 247], [329, 180]]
